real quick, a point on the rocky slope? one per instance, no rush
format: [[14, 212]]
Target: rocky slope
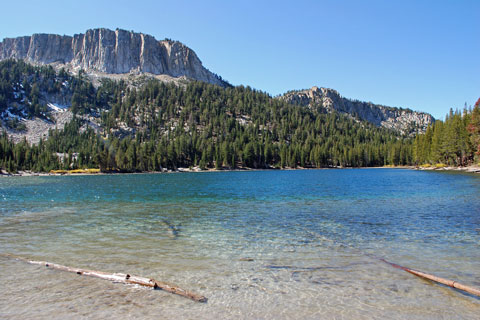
[[110, 52], [134, 56], [405, 121]]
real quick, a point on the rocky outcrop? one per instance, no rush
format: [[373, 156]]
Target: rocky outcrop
[[401, 120], [110, 52]]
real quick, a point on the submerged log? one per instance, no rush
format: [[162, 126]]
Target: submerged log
[[447, 282], [172, 229], [118, 277]]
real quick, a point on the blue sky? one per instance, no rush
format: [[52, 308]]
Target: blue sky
[[422, 55]]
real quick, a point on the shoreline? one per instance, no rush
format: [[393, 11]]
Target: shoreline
[[467, 169]]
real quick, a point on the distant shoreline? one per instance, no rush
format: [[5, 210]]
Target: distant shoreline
[[468, 169]]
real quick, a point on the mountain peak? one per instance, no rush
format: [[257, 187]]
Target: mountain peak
[[102, 50], [401, 120]]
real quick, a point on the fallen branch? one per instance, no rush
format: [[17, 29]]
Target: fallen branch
[[118, 277], [446, 282]]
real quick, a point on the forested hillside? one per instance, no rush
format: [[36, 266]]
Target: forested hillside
[[22, 87], [154, 126], [455, 141]]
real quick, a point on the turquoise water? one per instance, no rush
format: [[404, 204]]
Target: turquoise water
[[259, 244]]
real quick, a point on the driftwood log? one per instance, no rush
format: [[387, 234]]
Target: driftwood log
[[118, 277], [447, 282]]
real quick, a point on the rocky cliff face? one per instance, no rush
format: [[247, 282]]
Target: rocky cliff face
[[110, 52], [405, 121]]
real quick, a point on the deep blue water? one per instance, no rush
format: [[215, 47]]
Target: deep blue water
[[369, 204]]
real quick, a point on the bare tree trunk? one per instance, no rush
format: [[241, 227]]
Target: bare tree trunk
[[118, 277], [446, 282]]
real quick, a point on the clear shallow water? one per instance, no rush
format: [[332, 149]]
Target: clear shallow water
[[313, 235]]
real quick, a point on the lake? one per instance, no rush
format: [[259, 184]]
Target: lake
[[299, 244]]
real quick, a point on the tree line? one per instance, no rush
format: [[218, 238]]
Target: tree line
[[455, 141], [154, 126]]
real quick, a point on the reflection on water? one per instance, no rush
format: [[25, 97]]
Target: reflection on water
[[266, 244]]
